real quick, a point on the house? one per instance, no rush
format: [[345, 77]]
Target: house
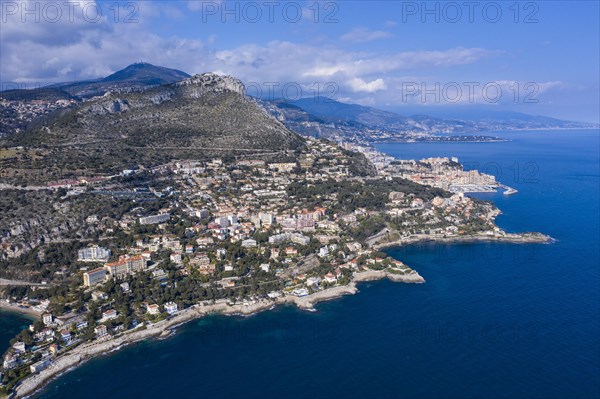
[[53, 348], [323, 252], [81, 325], [19, 346], [65, 335], [39, 366], [159, 274], [9, 362], [313, 281], [171, 307], [101, 331], [109, 315], [47, 319], [175, 258], [153, 309], [98, 295], [300, 292], [249, 243], [330, 278]]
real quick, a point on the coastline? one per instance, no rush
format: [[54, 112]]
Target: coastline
[[522, 238], [14, 308], [81, 354]]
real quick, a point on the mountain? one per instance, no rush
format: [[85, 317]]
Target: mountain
[[207, 111], [334, 111], [134, 77], [44, 94], [200, 117], [341, 121]]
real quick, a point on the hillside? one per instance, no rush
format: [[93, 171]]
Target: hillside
[[197, 118]]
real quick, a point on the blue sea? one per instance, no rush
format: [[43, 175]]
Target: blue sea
[[492, 320]]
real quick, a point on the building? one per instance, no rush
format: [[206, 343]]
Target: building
[[65, 335], [47, 319], [93, 254], [39, 366], [98, 295], [175, 258], [101, 331], [155, 219], [171, 307], [153, 309], [125, 265], [249, 243], [81, 325], [19, 346], [109, 315], [266, 218], [323, 251], [94, 277], [330, 278]]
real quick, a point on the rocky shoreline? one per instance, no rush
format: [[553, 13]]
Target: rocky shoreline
[[79, 355], [82, 353], [521, 238]]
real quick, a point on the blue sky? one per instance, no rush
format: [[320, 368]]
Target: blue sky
[[466, 56]]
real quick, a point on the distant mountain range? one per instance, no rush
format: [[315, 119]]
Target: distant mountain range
[[135, 76], [308, 116], [341, 121]]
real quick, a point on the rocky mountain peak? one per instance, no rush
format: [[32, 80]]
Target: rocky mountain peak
[[199, 84]]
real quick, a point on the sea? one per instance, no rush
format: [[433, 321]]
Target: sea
[[493, 320]]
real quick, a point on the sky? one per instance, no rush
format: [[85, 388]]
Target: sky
[[539, 57]]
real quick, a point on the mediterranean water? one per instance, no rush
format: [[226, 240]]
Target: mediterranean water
[[492, 320]]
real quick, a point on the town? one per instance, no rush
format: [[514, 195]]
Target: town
[[237, 232]]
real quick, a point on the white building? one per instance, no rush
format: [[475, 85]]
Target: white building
[[171, 307], [47, 319], [155, 219], [249, 243], [93, 254]]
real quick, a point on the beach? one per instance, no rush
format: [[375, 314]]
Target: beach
[[12, 307]]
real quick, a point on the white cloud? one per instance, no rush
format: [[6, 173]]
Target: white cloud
[[363, 35], [359, 85], [65, 51]]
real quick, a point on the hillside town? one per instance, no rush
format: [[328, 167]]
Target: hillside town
[[239, 232]]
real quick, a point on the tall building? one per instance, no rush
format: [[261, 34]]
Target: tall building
[[93, 254], [154, 219], [94, 277], [126, 264]]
